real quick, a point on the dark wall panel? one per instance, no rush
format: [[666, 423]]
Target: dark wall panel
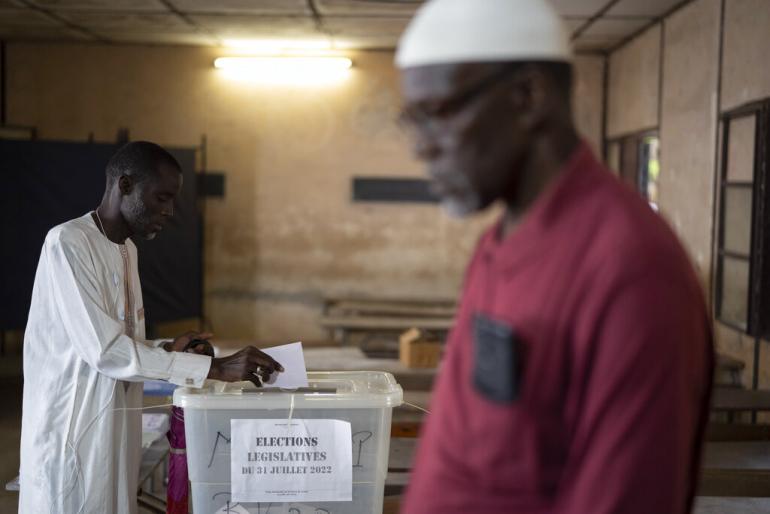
[[45, 183], [367, 189]]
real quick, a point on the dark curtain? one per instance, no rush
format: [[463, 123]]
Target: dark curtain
[[45, 183]]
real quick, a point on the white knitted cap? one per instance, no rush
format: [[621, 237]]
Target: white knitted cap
[[450, 31]]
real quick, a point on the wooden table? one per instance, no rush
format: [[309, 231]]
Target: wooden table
[[351, 358], [343, 316]]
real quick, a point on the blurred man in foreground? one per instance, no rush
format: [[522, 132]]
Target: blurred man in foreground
[[577, 375]]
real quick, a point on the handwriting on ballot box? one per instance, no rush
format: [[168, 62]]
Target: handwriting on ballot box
[[280, 460], [224, 467]]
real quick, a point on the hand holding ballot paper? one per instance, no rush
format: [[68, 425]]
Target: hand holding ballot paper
[[280, 366], [247, 364], [293, 375]]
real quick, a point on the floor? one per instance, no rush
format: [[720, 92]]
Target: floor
[[709, 505], [317, 359], [10, 427]]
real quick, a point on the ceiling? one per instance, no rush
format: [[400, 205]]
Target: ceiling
[[596, 25]]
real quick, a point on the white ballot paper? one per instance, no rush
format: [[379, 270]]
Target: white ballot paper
[[280, 460], [291, 358]]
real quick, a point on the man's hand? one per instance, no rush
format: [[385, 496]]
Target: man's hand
[[201, 347], [178, 344], [248, 364]]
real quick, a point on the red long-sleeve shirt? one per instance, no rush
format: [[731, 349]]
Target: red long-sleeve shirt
[[615, 357]]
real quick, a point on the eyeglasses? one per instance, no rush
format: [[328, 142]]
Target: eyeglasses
[[427, 119]]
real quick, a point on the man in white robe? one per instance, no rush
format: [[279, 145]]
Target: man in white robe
[[85, 352]]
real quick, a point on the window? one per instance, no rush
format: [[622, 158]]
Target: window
[[649, 168], [741, 293], [635, 157]]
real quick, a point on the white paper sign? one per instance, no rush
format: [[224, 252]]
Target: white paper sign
[[290, 356], [277, 460]]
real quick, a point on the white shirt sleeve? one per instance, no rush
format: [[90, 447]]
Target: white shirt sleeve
[[157, 343], [97, 337]]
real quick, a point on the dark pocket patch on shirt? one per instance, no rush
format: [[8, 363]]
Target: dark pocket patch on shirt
[[497, 356]]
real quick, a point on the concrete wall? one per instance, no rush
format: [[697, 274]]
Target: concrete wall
[[745, 78], [679, 85], [745, 70], [688, 127], [286, 234], [634, 83], [588, 102], [690, 103]]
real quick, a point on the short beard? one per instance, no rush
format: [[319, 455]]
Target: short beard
[[139, 220], [465, 204], [461, 207]]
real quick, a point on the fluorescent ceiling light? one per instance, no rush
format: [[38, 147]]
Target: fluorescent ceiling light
[[298, 71]]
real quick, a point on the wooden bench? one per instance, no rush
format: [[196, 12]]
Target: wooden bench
[[727, 399], [422, 308], [736, 469], [723, 432], [345, 316], [728, 371], [703, 505], [729, 469]]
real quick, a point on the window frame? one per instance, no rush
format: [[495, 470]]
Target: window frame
[[758, 288], [633, 140]]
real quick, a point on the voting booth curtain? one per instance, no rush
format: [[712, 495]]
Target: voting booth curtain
[[45, 183]]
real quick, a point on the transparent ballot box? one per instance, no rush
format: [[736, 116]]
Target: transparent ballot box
[[364, 399]]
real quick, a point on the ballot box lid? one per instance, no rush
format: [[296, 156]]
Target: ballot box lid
[[326, 390]]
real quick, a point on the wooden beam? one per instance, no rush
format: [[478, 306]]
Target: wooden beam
[[385, 323], [385, 308], [735, 482], [737, 432], [732, 399]]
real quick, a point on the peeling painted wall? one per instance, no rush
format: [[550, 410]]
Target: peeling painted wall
[[286, 234], [688, 127], [634, 83]]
